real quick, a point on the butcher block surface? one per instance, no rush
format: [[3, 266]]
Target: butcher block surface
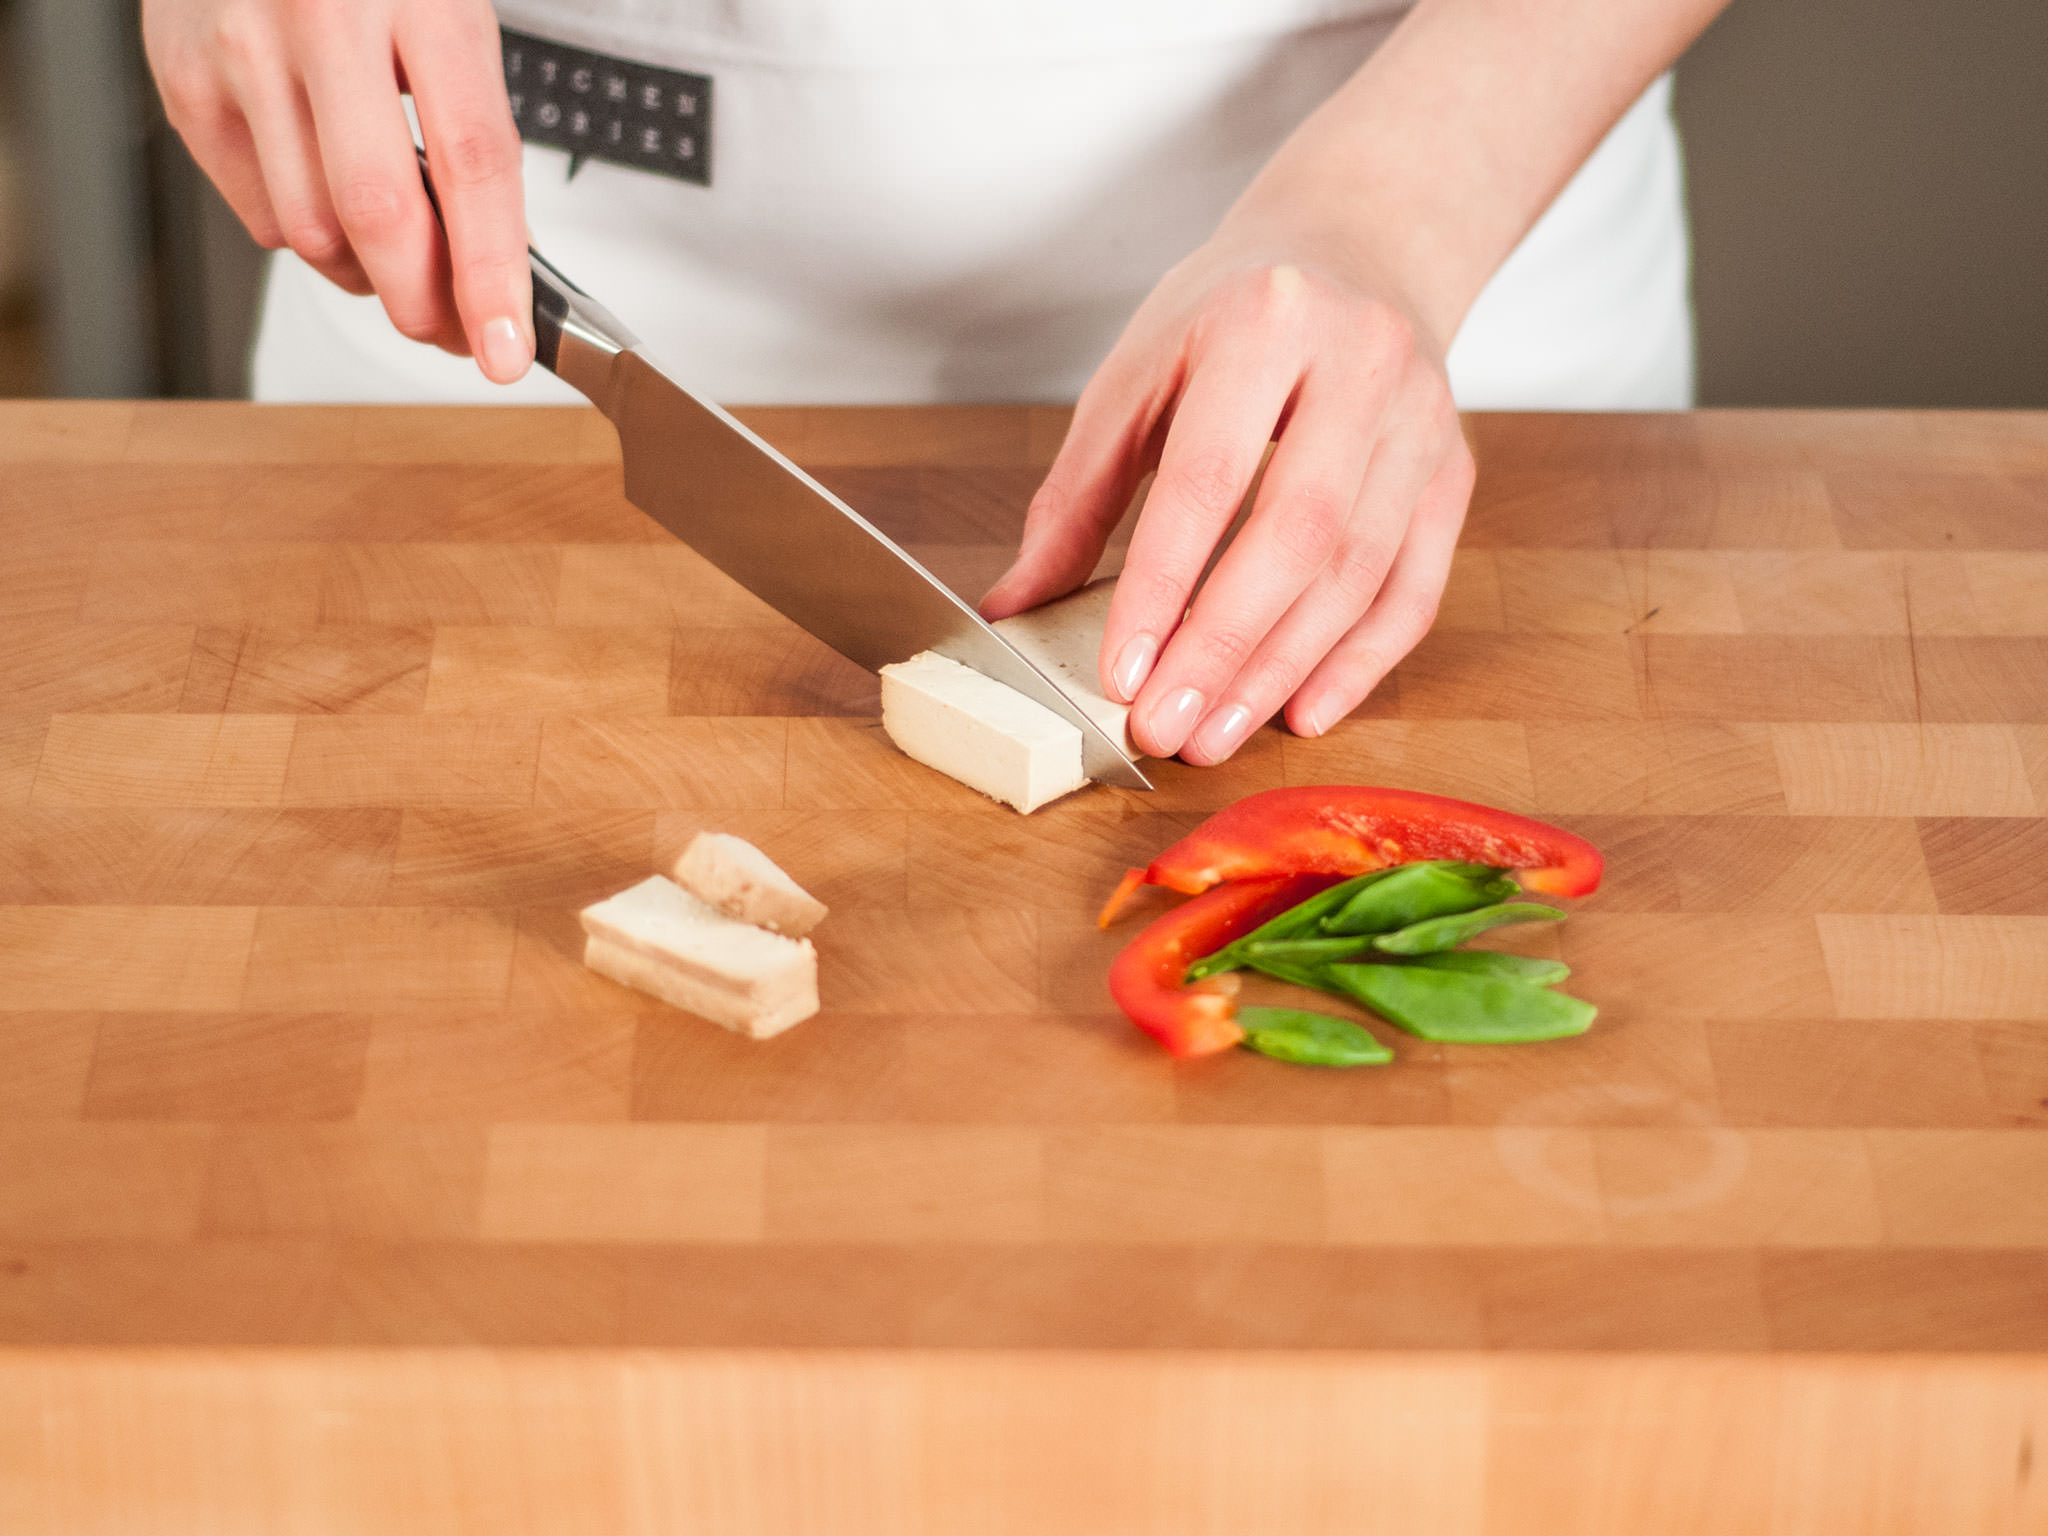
[[317, 727]]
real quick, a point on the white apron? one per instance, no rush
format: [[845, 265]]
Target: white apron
[[960, 200]]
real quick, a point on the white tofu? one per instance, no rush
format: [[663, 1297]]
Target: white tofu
[[1063, 639], [662, 940], [989, 736], [659, 979], [744, 883], [978, 731]]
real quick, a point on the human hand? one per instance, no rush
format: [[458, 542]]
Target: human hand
[[1337, 573], [293, 108]]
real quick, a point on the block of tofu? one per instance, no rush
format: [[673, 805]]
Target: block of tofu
[[1063, 639], [992, 738], [662, 940], [743, 882], [978, 731]]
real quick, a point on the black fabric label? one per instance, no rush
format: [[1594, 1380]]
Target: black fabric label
[[601, 108]]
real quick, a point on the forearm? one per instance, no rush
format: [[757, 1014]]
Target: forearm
[[1422, 172]]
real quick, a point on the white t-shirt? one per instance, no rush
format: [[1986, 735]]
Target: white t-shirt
[[959, 200]]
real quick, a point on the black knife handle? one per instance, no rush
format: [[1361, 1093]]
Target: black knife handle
[[553, 298], [560, 309]]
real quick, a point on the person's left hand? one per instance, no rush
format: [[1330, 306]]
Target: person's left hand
[[1337, 573]]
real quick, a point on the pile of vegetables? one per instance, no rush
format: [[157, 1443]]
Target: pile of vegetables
[[1361, 892]]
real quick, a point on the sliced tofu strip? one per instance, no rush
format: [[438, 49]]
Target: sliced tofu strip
[[744, 883], [659, 938], [659, 979], [991, 737]]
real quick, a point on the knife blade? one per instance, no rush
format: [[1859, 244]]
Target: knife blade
[[739, 503]]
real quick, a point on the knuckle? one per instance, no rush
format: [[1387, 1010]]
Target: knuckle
[[1359, 568], [1048, 507], [480, 277], [1362, 664], [266, 232], [1309, 525], [187, 90], [1404, 622], [480, 154], [415, 310], [1222, 647], [1402, 627], [1160, 593], [1272, 301], [416, 326], [1275, 674], [241, 35], [371, 207], [1208, 481], [1281, 296], [314, 237]]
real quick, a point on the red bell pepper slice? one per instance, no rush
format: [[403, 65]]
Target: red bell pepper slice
[[1347, 829], [1146, 979]]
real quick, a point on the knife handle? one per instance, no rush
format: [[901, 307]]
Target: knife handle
[[574, 337]]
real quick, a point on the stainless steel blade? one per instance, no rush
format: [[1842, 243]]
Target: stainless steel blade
[[731, 497], [755, 515]]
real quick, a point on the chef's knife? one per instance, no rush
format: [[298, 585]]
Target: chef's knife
[[772, 528]]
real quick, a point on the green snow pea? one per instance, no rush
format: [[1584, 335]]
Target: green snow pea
[[1311, 951], [1294, 972], [1440, 933], [1461, 1008], [1305, 962], [1310, 1039], [1295, 922], [1491, 962], [1413, 892]]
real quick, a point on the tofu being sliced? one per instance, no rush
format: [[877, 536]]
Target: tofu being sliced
[[660, 939], [978, 731], [1063, 639], [744, 883], [989, 736]]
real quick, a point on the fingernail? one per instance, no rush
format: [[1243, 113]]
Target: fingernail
[[1134, 665], [1312, 721], [506, 357], [1219, 737], [1172, 720]]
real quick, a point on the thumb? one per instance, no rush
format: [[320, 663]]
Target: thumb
[[1106, 452]]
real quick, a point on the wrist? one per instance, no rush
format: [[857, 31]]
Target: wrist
[[1383, 258]]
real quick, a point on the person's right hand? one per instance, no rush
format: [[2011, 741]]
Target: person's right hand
[[293, 108]]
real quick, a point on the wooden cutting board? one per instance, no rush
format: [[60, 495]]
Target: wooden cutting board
[[317, 726]]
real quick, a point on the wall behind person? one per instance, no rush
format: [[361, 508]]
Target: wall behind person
[[17, 249], [1869, 192], [20, 356]]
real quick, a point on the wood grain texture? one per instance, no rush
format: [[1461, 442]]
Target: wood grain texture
[[926, 1443], [316, 727]]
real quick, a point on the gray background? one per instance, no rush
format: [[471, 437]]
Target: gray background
[[1869, 189], [1868, 180]]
